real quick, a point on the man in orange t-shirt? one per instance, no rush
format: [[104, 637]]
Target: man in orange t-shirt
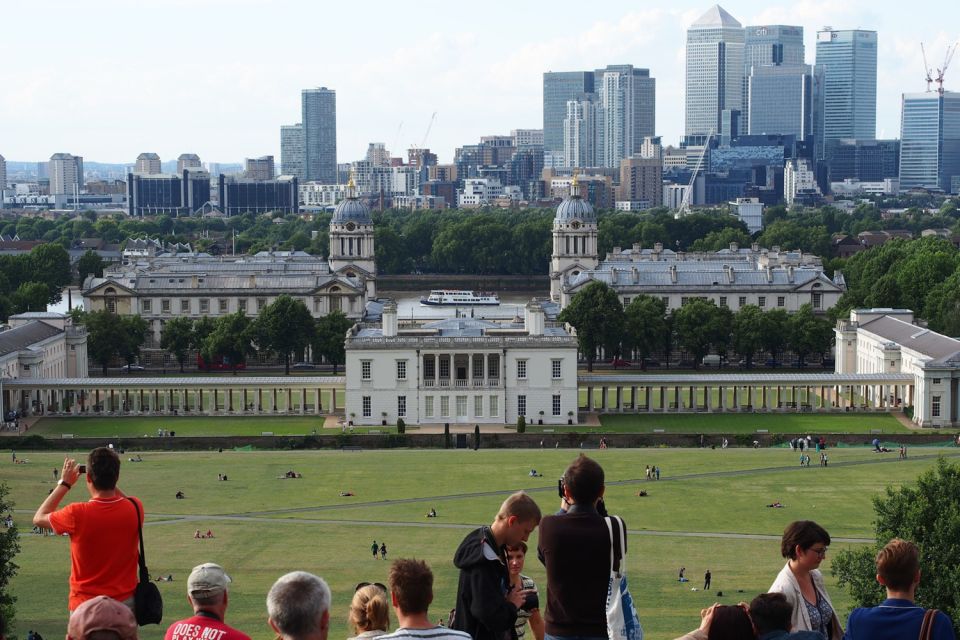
[[104, 545]]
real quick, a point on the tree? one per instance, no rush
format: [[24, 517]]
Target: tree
[[943, 306], [177, 338], [748, 332], [202, 328], [699, 325], [105, 334], [284, 327], [329, 338], [90, 264], [809, 334], [134, 332], [645, 327], [9, 548], [927, 514], [30, 296], [51, 265], [231, 340], [597, 315], [774, 331]]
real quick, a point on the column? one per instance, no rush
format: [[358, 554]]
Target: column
[[633, 399], [664, 405], [470, 371], [619, 397], [316, 401], [603, 399], [590, 398]]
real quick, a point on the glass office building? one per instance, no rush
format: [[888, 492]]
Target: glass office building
[[848, 60], [930, 140], [559, 87], [779, 99], [319, 122], [714, 76], [291, 151]]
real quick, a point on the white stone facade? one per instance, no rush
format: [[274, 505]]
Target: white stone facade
[[461, 371]]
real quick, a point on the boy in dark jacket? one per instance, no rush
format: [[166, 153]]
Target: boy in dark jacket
[[486, 605]]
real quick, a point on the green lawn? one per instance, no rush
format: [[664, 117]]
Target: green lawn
[[186, 426], [265, 526], [751, 422]]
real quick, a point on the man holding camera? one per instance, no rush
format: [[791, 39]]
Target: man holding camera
[[575, 549], [104, 544]]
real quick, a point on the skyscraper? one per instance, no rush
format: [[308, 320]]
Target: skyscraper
[[259, 169], [780, 100], [714, 79], [66, 173], [770, 44], [319, 123], [930, 141], [581, 132], [148, 163], [627, 111], [3, 175], [559, 87], [188, 161], [291, 151], [848, 60]]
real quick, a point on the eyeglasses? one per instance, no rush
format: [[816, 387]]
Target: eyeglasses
[[361, 585], [822, 552]]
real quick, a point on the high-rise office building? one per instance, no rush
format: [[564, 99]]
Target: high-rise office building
[[581, 132], [154, 193], [641, 181], [627, 99], [861, 160], [780, 100], [3, 174], [527, 137], [259, 169], [148, 164], [291, 151], [714, 76], [66, 173], [188, 161], [930, 141], [848, 61], [378, 154], [559, 87], [652, 147], [319, 121], [769, 44]]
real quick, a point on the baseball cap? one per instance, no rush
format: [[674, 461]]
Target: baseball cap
[[102, 614], [207, 579]]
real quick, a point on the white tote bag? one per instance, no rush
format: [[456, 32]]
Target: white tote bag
[[623, 623]]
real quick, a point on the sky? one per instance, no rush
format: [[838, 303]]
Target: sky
[[109, 79]]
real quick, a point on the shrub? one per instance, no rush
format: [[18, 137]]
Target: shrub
[[401, 426], [521, 425]]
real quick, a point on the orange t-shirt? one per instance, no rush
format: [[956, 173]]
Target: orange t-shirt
[[104, 547]]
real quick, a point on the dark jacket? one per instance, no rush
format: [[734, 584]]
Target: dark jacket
[[482, 608]]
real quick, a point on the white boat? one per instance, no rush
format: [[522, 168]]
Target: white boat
[[457, 298]]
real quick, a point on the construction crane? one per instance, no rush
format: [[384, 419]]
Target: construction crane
[[926, 67], [684, 208], [952, 49], [423, 143]]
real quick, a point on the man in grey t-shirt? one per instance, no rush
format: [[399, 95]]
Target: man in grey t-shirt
[[411, 592]]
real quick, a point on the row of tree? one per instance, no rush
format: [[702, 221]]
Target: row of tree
[[284, 328], [31, 281], [644, 328]]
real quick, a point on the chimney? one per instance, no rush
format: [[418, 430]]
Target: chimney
[[658, 247], [730, 274], [636, 247], [790, 273], [533, 318], [769, 275], [734, 247], [755, 247], [389, 320], [673, 273], [636, 276]]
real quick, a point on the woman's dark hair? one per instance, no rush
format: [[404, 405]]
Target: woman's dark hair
[[730, 623], [805, 533]]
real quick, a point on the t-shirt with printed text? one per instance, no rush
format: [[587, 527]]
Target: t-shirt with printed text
[[203, 627]]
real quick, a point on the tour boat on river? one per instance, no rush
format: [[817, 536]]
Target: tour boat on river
[[458, 298]]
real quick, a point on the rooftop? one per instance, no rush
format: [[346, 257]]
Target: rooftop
[[717, 16], [23, 337]]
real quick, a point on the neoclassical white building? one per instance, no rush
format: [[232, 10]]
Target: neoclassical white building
[[887, 341], [169, 285], [461, 370]]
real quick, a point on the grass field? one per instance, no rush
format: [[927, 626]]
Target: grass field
[[750, 423], [183, 426], [265, 526]]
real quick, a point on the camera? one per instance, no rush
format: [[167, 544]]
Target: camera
[[560, 487], [83, 468], [531, 602]]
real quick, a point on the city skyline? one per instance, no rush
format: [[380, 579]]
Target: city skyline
[[390, 72]]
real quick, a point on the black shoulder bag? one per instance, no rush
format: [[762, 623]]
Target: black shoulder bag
[[147, 602]]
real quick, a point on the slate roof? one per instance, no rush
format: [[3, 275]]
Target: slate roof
[[23, 337], [938, 347]]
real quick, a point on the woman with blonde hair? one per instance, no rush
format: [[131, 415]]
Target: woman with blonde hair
[[369, 611]]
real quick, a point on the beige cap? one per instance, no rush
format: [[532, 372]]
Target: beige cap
[[207, 579], [102, 614]]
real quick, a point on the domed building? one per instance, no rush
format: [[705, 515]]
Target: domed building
[[351, 241], [574, 240]]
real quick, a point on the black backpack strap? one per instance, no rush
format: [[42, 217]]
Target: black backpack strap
[[144, 574]]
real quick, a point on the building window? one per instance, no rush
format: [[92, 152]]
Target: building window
[[165, 306], [935, 407], [184, 306], [461, 406], [478, 406], [683, 301], [401, 406], [762, 301], [521, 405], [626, 301], [742, 301], [477, 367], [817, 300], [723, 301], [261, 303], [429, 370], [494, 406], [222, 305], [364, 369], [936, 381], [556, 404], [781, 301], [521, 369], [428, 406], [555, 369], [444, 406], [146, 305], [366, 406], [204, 305], [666, 301], [242, 305], [493, 366], [401, 369], [445, 367]]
